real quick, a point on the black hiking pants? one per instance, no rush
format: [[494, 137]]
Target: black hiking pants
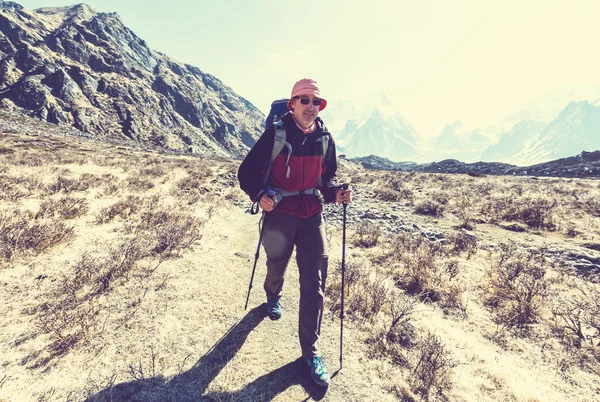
[[283, 231]]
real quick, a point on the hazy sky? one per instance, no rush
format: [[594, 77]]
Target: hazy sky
[[438, 61]]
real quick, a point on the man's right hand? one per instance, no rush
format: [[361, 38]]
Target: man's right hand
[[267, 202]]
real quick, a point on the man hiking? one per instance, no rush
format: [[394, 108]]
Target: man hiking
[[287, 188]]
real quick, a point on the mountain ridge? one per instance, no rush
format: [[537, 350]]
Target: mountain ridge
[[72, 65]]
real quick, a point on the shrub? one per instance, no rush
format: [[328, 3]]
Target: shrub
[[66, 208], [463, 241], [517, 287], [592, 206], [385, 194], [155, 170], [535, 212], [367, 234], [465, 212], [71, 313], [401, 309], [433, 370], [429, 207], [68, 185], [365, 178], [139, 183], [21, 234], [417, 270], [122, 209], [367, 291], [14, 188], [172, 231], [451, 301], [576, 318]]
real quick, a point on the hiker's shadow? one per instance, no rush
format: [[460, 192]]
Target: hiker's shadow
[[267, 387], [191, 385]]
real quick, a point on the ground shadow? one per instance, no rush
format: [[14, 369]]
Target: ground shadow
[[267, 387], [191, 385]]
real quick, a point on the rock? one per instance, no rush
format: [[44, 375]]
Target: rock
[[88, 70]]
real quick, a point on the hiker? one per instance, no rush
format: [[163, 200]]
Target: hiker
[[288, 192]]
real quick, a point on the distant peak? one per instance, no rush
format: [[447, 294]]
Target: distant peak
[[379, 99], [10, 4], [79, 11]]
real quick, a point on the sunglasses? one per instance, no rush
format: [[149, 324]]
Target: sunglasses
[[315, 102]]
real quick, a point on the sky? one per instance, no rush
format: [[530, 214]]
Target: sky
[[438, 61]]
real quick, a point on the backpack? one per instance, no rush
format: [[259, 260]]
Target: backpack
[[278, 109]]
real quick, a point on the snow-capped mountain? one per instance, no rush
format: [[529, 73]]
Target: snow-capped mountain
[[337, 113], [380, 131], [576, 129], [512, 142], [457, 141]]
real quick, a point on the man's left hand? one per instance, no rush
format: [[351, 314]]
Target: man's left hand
[[343, 196]]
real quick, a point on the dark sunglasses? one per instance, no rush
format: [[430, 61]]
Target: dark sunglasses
[[315, 102]]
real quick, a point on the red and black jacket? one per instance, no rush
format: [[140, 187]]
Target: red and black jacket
[[307, 163]]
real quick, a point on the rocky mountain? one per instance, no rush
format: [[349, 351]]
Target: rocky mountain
[[585, 164], [381, 131], [75, 66], [378, 163], [576, 129], [457, 141], [513, 142]]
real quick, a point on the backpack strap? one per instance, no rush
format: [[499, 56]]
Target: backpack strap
[[278, 144], [325, 144]]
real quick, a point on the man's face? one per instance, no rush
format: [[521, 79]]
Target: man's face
[[305, 110]]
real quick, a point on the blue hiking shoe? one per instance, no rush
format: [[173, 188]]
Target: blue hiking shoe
[[274, 310], [318, 371]]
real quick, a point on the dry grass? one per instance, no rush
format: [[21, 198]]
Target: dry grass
[[131, 267], [21, 234]]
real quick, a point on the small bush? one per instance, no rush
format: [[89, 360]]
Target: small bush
[[139, 183], [576, 317], [401, 309], [15, 188], [385, 194], [173, 231], [155, 170], [20, 234], [464, 242], [71, 314], [68, 185], [517, 287], [535, 212], [66, 208], [433, 370], [430, 207], [465, 212], [367, 291], [416, 268], [123, 209], [367, 234], [592, 206]]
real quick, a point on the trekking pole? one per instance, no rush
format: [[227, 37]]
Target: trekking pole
[[345, 187], [262, 229]]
